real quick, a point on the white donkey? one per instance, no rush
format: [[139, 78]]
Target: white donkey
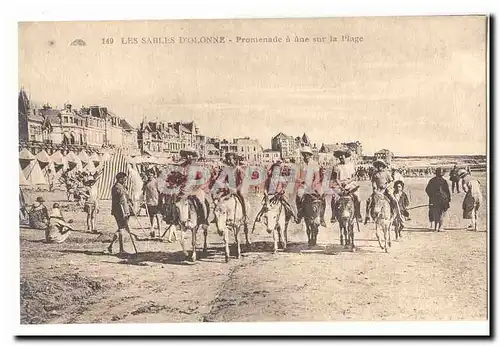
[[191, 218], [228, 216], [276, 215]]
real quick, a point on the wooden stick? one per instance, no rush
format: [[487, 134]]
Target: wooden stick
[[418, 206]]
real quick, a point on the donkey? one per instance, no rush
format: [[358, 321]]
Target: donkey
[[276, 216], [383, 216], [186, 214], [344, 213], [228, 216], [312, 207]]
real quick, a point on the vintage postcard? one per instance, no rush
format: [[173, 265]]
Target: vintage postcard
[[254, 170]]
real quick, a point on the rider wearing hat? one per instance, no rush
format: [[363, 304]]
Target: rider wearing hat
[[381, 181], [309, 182], [343, 180]]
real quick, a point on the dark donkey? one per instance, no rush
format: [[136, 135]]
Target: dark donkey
[[344, 213], [312, 207]]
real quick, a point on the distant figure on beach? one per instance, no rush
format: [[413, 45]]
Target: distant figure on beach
[[473, 197], [454, 178], [439, 195], [90, 207]]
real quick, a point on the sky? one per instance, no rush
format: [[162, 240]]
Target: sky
[[414, 85]]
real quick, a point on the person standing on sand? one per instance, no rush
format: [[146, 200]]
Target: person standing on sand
[[90, 207], [473, 197], [454, 178], [121, 209], [439, 195], [152, 198]]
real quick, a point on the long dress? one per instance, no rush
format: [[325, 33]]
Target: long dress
[[439, 195]]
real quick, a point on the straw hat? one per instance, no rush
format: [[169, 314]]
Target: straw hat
[[188, 151], [462, 172], [379, 162], [342, 151], [306, 150]]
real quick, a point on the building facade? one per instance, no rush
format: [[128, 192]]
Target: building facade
[[65, 129], [287, 146], [169, 138], [270, 156]]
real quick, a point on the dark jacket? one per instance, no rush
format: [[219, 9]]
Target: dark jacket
[[438, 191]]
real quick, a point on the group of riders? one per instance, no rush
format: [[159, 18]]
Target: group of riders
[[193, 180]]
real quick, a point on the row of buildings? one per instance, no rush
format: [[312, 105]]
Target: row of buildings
[[96, 127]]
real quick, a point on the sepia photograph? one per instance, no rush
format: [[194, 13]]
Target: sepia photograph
[[254, 170]]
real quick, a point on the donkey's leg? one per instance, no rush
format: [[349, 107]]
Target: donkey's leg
[[205, 234], [280, 237], [194, 231], [474, 219], [275, 247], [389, 233], [236, 238], [385, 230], [377, 234], [351, 235], [182, 239], [226, 243], [308, 231], [341, 226], [245, 228], [285, 235]]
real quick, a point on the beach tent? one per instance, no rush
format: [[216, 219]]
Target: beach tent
[[31, 168], [45, 164], [74, 161], [116, 163], [34, 174], [22, 178], [58, 159], [95, 159], [26, 155], [84, 158]]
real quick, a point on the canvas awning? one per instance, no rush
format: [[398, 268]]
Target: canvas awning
[[83, 156], [26, 155], [95, 158], [43, 157], [72, 158], [58, 158]]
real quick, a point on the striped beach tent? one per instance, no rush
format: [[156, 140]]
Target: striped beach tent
[[116, 163], [22, 178]]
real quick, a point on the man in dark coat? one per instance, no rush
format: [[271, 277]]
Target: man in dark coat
[[439, 195]]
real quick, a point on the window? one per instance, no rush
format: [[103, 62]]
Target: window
[[65, 119]]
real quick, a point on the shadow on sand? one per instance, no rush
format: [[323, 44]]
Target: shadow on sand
[[161, 257]]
